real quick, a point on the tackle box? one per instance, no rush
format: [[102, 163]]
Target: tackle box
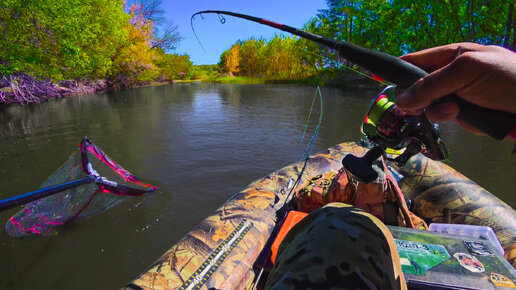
[[435, 260]]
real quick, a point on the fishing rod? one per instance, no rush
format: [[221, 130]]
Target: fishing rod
[[495, 123]]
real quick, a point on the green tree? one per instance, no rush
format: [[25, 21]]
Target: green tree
[[173, 66], [251, 56], [70, 39], [284, 58], [431, 23], [401, 26], [60, 39]]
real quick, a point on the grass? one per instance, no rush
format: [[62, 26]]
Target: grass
[[331, 78], [306, 80], [240, 80]]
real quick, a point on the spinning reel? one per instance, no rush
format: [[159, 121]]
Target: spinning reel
[[387, 126]]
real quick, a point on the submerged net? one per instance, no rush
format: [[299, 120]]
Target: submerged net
[[110, 184]]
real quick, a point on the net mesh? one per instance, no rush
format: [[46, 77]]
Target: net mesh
[[112, 185]]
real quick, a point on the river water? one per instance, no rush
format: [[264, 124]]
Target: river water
[[201, 144]]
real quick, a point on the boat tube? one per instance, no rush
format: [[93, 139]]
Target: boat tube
[[220, 252]]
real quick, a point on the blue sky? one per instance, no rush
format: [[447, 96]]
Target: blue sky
[[217, 37]]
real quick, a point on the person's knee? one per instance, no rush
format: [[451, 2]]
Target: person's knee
[[333, 245]]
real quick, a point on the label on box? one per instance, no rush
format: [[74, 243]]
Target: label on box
[[478, 248], [417, 258], [469, 262]]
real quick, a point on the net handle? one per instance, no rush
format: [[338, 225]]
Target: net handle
[[93, 176], [11, 202]]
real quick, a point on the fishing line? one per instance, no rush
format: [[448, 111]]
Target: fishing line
[[386, 66], [306, 157], [195, 34], [311, 143], [365, 75], [330, 44], [383, 82], [306, 125]]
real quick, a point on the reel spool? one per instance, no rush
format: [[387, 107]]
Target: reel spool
[[387, 126]]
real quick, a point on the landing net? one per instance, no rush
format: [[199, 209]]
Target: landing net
[[110, 184]]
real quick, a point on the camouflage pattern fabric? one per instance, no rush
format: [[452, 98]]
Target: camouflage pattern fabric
[[327, 250], [438, 194], [382, 197]]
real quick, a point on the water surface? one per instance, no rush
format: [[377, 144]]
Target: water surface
[[200, 144]]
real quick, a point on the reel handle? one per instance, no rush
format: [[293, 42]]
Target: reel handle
[[362, 167]]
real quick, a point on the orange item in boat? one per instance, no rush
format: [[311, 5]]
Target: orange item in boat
[[293, 217]]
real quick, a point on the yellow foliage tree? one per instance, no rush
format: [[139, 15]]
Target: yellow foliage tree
[[134, 61], [279, 58], [232, 60]]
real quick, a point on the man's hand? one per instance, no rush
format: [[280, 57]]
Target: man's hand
[[482, 75]]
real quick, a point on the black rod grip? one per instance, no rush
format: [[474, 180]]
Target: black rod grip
[[494, 123]]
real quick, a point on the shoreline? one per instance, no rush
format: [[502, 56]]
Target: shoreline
[[24, 89]]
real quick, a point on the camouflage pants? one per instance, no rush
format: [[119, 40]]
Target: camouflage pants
[[337, 247]]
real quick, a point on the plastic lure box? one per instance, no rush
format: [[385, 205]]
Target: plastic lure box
[[434, 260]]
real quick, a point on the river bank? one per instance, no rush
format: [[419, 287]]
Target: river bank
[[24, 89], [324, 78]]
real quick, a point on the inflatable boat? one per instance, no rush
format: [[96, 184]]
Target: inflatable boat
[[220, 252]]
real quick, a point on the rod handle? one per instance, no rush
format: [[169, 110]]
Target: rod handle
[[495, 123]]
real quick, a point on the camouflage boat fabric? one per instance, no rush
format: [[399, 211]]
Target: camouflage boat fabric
[[441, 194], [219, 253]]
